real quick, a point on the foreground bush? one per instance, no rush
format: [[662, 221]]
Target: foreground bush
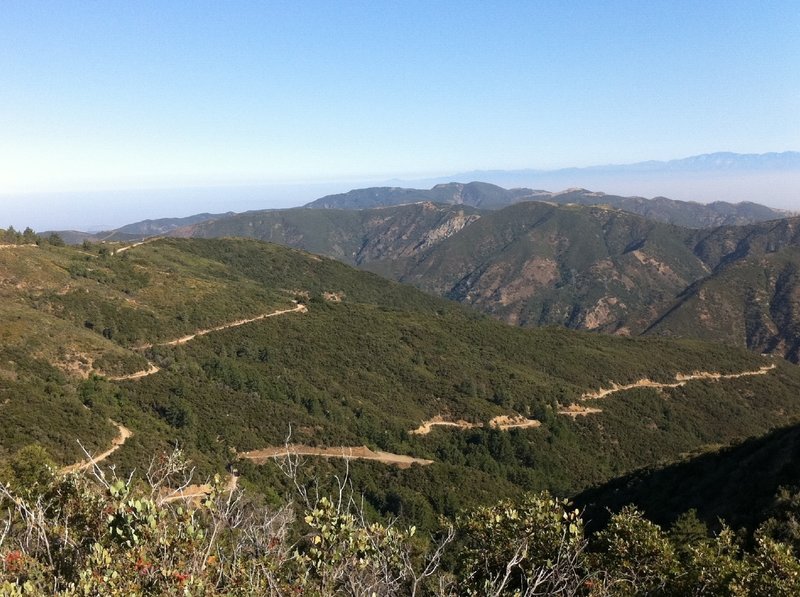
[[83, 534]]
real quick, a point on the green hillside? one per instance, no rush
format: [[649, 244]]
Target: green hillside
[[538, 264], [366, 364], [582, 267], [356, 237]]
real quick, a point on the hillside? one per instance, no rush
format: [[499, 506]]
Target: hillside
[[539, 264], [200, 342], [355, 237], [752, 296], [688, 214], [590, 268], [137, 230]]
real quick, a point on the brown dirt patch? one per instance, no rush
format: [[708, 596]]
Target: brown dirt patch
[[439, 421], [575, 411], [505, 422], [502, 422]]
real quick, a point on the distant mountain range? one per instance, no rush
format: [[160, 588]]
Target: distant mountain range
[[720, 161], [771, 178], [489, 196]]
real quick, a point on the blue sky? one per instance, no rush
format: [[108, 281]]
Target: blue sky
[[109, 95]]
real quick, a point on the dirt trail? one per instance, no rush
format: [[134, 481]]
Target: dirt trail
[[153, 368], [117, 442], [680, 380], [138, 375], [505, 422], [188, 493], [141, 242], [183, 340], [502, 422], [360, 453]]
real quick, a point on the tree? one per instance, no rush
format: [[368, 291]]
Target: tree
[[29, 471], [532, 547], [635, 555]]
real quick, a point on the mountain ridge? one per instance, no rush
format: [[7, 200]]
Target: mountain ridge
[[489, 196]]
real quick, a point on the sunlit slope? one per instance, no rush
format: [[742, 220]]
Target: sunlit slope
[[230, 345], [581, 267]]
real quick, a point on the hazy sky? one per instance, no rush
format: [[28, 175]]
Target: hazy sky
[[126, 95]]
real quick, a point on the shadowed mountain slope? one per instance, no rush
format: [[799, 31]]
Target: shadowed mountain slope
[[737, 483]]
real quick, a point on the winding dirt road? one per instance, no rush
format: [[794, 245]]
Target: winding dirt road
[[119, 441], [153, 368], [184, 339], [17, 246], [427, 426], [680, 380], [358, 453], [575, 411]]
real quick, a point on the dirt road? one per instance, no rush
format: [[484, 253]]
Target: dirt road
[[194, 493], [128, 247], [575, 411], [427, 426], [184, 339], [680, 380], [359, 453], [123, 435]]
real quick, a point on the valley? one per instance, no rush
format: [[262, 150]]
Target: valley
[[374, 371]]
